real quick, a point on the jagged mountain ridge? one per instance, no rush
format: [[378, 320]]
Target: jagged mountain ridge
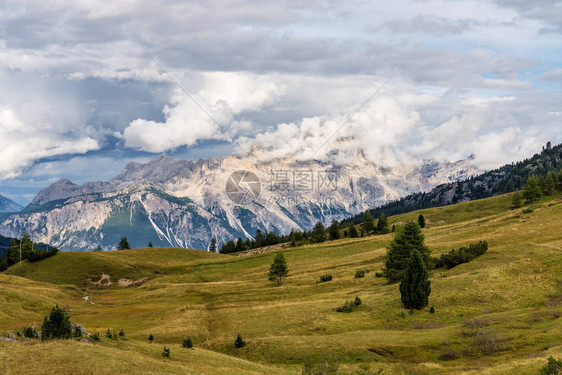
[[183, 203]]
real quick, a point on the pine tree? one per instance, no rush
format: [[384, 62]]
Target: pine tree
[[334, 230], [240, 245], [213, 245], [516, 200], [542, 185], [382, 224], [415, 286], [56, 325], [166, 352], [239, 342], [550, 183], [368, 222], [532, 190], [123, 244], [278, 269], [353, 232], [406, 240], [319, 233], [421, 221], [149, 243]]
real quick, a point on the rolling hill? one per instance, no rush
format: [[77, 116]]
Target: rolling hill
[[498, 314]]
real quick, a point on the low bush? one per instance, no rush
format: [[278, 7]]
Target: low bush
[[166, 352], [360, 273], [29, 332], [239, 342], [461, 255], [95, 337], [325, 278], [553, 367], [350, 306], [187, 343]]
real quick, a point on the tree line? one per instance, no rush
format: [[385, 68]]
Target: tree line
[[27, 250]]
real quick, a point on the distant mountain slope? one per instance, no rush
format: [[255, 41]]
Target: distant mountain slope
[[8, 205], [182, 203], [510, 177]]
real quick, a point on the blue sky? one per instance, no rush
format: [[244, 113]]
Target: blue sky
[[81, 94]]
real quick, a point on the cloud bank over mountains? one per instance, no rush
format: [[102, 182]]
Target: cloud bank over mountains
[[79, 80]]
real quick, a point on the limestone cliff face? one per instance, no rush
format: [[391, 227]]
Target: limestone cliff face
[[184, 203]]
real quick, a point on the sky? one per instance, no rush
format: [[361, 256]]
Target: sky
[[86, 86]]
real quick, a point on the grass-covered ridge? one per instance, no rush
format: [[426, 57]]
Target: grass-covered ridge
[[506, 297]]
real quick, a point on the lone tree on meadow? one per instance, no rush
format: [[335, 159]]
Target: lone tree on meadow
[[213, 245], [421, 221], [318, 233], [123, 244], [278, 269], [56, 325], [382, 224], [516, 200], [532, 190], [406, 240], [415, 286], [334, 230], [368, 222]]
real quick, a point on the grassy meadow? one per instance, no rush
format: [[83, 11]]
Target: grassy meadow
[[498, 314]]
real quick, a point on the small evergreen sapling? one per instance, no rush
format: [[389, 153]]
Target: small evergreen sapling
[[150, 338], [166, 352], [187, 343], [56, 325], [239, 342]]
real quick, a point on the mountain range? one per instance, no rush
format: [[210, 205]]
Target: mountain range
[[8, 205], [184, 203]]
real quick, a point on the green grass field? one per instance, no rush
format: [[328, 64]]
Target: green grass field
[[494, 315]]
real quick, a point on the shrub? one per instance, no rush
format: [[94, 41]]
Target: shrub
[[95, 337], [379, 274], [122, 333], [432, 310], [77, 331], [461, 255], [239, 342], [447, 353], [108, 334], [553, 367], [360, 273], [325, 278], [346, 308], [166, 352], [56, 325], [29, 332], [150, 338], [187, 343], [357, 301], [487, 342]]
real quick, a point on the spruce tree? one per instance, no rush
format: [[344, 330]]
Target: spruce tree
[[213, 245], [415, 286], [516, 200], [560, 181], [123, 244], [421, 221], [239, 342], [56, 325], [550, 183], [319, 233], [368, 222], [240, 245], [542, 185], [149, 243], [150, 338], [406, 240], [334, 230], [532, 190], [278, 269], [382, 224], [353, 232]]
